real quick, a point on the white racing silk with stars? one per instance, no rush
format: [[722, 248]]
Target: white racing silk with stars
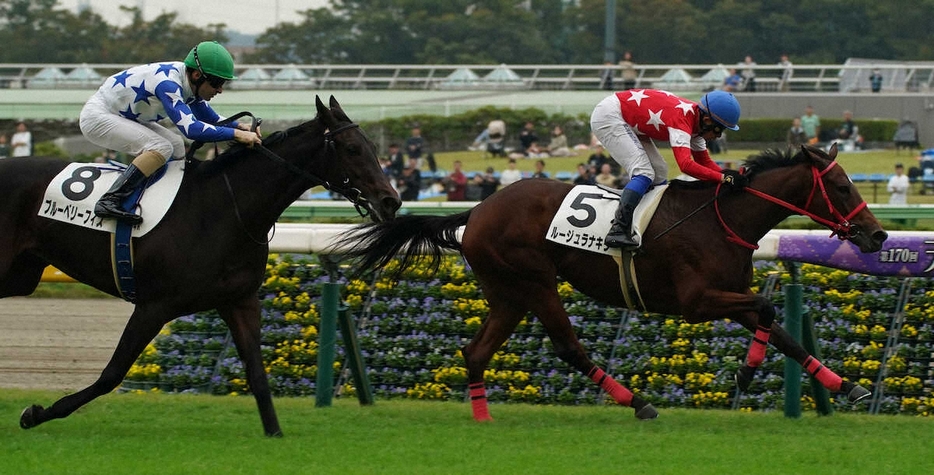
[[155, 91]]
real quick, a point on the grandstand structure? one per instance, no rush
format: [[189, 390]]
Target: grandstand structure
[[852, 76], [286, 92]]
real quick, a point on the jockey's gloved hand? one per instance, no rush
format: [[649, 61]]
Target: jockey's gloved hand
[[734, 179]]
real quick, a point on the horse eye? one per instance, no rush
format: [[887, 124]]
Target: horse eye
[[843, 189]]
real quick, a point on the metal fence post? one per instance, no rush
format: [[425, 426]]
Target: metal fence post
[[793, 302]]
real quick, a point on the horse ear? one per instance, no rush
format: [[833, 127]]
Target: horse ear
[[338, 111], [320, 105], [832, 153]]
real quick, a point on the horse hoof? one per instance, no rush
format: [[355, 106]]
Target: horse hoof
[[277, 434], [857, 394], [27, 420], [744, 377], [647, 412]]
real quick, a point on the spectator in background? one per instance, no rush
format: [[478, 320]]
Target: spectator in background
[[875, 80], [4, 147], [849, 132], [598, 157], [606, 177], [21, 142], [558, 147], [583, 175], [811, 124], [796, 136], [628, 71], [397, 160], [540, 170], [410, 181], [414, 145], [898, 186], [510, 175], [749, 74], [456, 183], [787, 71], [528, 141], [732, 81], [487, 182]]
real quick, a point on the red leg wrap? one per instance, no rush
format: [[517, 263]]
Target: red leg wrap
[[828, 378], [478, 402], [619, 394], [757, 349]]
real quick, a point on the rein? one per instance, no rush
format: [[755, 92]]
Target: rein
[[840, 228], [354, 195]]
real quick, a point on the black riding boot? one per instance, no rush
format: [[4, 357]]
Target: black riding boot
[[620, 234], [110, 205]]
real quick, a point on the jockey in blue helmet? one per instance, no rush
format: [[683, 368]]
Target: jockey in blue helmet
[[627, 122]]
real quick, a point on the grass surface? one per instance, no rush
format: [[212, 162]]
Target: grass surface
[[163, 434]]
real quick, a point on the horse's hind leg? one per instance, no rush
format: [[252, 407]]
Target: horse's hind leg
[[783, 341], [243, 319], [554, 318], [499, 324], [142, 327]]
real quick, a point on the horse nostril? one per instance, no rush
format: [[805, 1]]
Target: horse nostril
[[880, 236], [392, 204]]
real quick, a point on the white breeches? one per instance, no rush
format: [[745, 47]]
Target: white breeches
[[113, 131], [637, 154]]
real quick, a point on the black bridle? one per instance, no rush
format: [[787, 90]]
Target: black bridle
[[353, 194]]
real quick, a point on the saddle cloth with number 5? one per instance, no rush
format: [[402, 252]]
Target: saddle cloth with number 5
[[586, 213], [72, 194]]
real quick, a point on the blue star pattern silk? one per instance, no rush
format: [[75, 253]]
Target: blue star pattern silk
[[152, 92]]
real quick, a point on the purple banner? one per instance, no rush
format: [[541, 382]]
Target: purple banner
[[903, 254]]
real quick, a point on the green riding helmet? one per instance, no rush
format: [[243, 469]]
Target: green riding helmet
[[210, 57]]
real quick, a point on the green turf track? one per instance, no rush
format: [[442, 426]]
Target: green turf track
[[171, 434]]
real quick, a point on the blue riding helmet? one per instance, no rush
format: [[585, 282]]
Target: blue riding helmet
[[722, 107]]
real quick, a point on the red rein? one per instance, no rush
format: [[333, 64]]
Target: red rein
[[840, 228]]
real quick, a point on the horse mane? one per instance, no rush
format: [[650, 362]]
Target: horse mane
[[755, 164], [237, 149], [773, 158]]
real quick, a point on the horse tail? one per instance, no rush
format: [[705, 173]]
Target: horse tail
[[412, 238]]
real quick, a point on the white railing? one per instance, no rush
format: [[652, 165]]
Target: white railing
[[901, 77]]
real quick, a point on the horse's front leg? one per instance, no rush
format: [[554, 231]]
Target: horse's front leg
[[755, 311], [141, 328], [243, 319], [782, 340]]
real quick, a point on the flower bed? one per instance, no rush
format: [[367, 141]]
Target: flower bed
[[411, 333]]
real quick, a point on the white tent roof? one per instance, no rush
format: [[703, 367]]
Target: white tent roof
[[461, 77], [47, 77], [502, 74], [675, 75]]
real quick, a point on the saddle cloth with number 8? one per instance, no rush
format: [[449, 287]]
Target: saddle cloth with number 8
[[72, 194]]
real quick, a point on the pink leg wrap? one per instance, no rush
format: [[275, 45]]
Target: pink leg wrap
[[619, 394], [757, 349], [478, 402], [828, 378]]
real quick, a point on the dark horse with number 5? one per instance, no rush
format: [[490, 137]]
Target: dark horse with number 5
[[700, 269], [208, 252]]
